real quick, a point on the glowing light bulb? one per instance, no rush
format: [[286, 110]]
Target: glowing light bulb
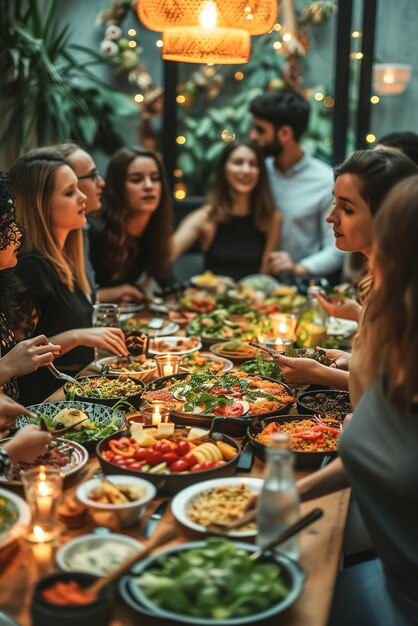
[[208, 15]]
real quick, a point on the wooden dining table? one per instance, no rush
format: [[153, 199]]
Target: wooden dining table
[[21, 565]]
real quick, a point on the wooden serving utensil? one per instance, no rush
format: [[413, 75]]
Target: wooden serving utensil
[[58, 432], [163, 534]]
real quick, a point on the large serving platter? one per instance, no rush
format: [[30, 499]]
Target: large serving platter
[[235, 425]]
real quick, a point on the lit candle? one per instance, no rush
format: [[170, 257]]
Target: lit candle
[[284, 325], [155, 413], [44, 500], [167, 364]]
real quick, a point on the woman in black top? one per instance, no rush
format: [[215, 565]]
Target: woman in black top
[[131, 235], [240, 225], [55, 296]]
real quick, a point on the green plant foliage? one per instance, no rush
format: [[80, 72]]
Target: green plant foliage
[[48, 88]]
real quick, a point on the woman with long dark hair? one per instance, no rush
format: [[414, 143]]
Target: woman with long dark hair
[[239, 226], [131, 235]]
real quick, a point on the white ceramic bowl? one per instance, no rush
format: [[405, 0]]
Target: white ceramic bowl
[[18, 527], [171, 345], [125, 514], [88, 553]]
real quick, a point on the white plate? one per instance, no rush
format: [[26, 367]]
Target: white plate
[[22, 521], [173, 341], [338, 326], [91, 542], [183, 500]]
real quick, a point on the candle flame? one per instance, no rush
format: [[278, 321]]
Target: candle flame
[[43, 489], [208, 15], [39, 533]]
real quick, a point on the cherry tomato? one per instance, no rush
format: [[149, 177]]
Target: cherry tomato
[[141, 454], [179, 466], [182, 448], [208, 465], [165, 447], [219, 463], [137, 465], [154, 458], [170, 458], [230, 410], [190, 459], [196, 468]]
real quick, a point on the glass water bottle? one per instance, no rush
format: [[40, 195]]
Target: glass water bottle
[[279, 499]]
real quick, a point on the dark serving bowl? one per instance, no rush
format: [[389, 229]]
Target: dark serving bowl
[[330, 402], [170, 484], [302, 459], [133, 398], [292, 575], [45, 613], [232, 426]]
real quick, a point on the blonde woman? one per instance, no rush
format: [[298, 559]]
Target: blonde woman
[[55, 294]]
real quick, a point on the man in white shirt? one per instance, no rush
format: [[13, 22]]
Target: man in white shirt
[[301, 186]]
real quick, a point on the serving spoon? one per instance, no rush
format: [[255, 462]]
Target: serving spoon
[[57, 432]]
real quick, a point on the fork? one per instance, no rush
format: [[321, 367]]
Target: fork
[[57, 432], [60, 375]]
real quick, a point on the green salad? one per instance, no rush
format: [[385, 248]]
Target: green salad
[[218, 581], [87, 431], [262, 367]]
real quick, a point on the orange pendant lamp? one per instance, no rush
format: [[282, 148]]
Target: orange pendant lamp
[[194, 44], [254, 16]]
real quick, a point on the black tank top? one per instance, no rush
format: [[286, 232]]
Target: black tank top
[[237, 249]]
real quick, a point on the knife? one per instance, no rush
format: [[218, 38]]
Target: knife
[[155, 518], [246, 458]]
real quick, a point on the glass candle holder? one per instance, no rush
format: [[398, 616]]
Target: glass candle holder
[[155, 413], [280, 345], [284, 325], [106, 314], [43, 490], [167, 364]]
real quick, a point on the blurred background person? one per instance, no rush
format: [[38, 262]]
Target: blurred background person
[[301, 187], [130, 237], [239, 226]]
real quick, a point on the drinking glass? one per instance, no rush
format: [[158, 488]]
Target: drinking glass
[[105, 315], [43, 490]]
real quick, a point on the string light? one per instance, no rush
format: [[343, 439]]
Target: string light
[[356, 34], [329, 102], [181, 140], [357, 56], [180, 99], [177, 173], [277, 45], [227, 135], [370, 138], [132, 32], [238, 75], [374, 99], [319, 96], [180, 191], [277, 28], [132, 44], [287, 37], [159, 43], [139, 97]]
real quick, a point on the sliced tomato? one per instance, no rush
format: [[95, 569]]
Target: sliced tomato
[[230, 410], [310, 435]]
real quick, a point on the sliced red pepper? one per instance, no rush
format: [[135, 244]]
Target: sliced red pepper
[[126, 451], [310, 435]]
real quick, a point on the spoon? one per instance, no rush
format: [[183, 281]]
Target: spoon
[[163, 534], [60, 375], [288, 532]]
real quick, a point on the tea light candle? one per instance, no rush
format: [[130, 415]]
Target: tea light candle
[[284, 325], [43, 489], [44, 499], [155, 413], [167, 364]]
